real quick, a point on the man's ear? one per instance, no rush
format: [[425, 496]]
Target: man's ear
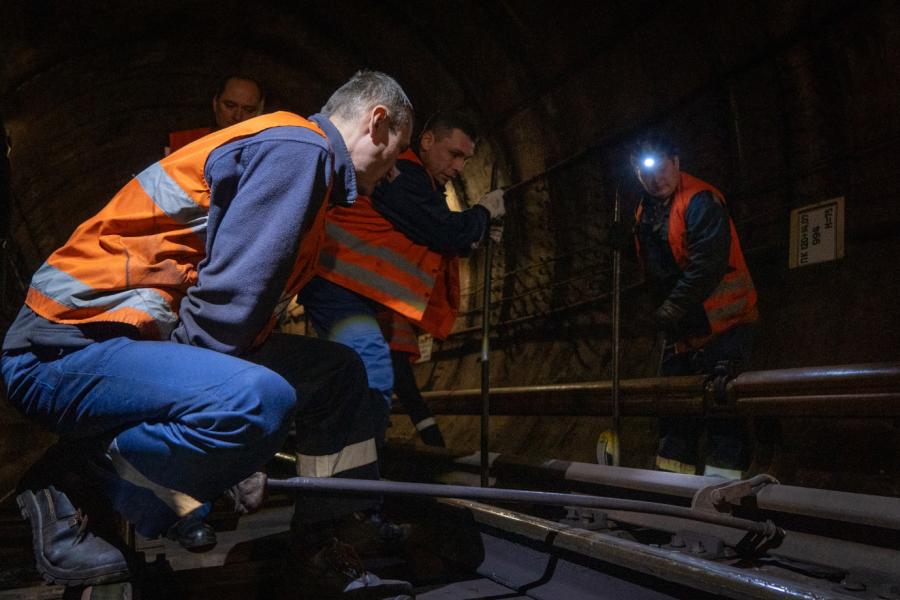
[[676, 163], [379, 125], [215, 103], [427, 141], [261, 106]]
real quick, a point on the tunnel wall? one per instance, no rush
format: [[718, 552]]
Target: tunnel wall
[[777, 103]]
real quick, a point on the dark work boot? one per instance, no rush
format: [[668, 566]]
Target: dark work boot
[[67, 553], [371, 532], [334, 570], [193, 533], [431, 433]]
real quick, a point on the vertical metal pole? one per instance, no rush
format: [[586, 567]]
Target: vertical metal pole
[[485, 348], [616, 306]]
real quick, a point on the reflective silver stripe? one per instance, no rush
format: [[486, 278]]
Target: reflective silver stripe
[[173, 200], [180, 503], [425, 423], [733, 308], [344, 237], [382, 284], [64, 289], [349, 457], [730, 286]]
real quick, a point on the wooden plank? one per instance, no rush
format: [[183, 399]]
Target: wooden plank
[[40, 592]]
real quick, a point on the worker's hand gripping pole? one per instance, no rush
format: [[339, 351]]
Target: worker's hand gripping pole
[[485, 346]]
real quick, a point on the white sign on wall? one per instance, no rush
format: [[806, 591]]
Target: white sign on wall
[[817, 233]]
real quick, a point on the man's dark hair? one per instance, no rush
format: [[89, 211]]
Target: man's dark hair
[[223, 83], [443, 122], [654, 142]]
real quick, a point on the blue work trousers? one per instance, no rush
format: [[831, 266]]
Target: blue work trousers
[[727, 442], [176, 425], [343, 316]]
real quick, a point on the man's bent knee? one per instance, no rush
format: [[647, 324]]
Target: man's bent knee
[[265, 399]]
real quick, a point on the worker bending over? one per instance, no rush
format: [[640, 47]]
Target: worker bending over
[[145, 341], [706, 301]]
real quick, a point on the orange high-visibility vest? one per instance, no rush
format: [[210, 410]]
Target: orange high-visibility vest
[[135, 260], [734, 299], [364, 253], [398, 333], [180, 139]]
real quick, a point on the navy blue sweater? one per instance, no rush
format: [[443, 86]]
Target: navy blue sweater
[[417, 210]]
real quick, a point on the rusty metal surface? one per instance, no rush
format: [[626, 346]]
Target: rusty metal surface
[[639, 397], [866, 390]]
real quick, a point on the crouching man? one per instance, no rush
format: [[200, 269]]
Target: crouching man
[[145, 341]]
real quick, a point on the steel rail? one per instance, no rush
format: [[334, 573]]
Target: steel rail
[[366, 486], [861, 509], [719, 580]]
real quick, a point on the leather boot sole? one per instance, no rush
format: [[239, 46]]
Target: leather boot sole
[[98, 575]]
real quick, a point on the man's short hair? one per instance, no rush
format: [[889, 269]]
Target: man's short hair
[[443, 122], [654, 142], [223, 83], [365, 90]]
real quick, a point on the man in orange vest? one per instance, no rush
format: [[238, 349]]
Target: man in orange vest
[[706, 301], [239, 98], [146, 342], [399, 250]]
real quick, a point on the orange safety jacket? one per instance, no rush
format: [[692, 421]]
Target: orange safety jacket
[[733, 301], [135, 260], [180, 139], [398, 332], [364, 253]]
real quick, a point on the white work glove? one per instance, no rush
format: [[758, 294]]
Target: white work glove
[[493, 201], [496, 232]]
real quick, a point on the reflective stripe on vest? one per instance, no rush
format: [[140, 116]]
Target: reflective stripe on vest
[[173, 200], [364, 253], [135, 260], [398, 333], [734, 299], [356, 244]]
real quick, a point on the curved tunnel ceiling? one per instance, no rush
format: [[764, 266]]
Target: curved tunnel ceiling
[[779, 103]]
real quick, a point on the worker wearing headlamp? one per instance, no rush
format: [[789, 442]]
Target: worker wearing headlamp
[[706, 301]]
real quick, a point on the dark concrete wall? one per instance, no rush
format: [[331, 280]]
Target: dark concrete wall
[[780, 104]]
